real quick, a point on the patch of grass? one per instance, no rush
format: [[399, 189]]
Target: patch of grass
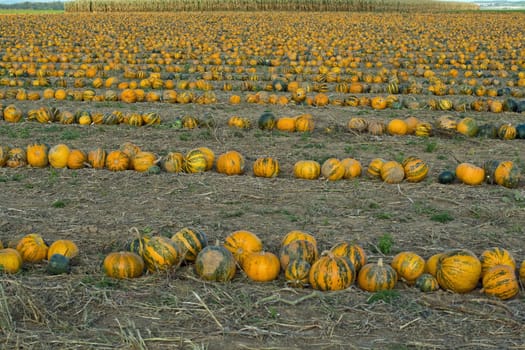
[[14, 177], [387, 296], [373, 205], [430, 146], [385, 243], [185, 136], [442, 217], [59, 204], [383, 216], [71, 135]]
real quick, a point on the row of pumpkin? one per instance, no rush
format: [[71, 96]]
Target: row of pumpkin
[[130, 157], [458, 270]]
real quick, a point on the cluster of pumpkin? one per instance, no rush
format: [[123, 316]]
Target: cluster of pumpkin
[[45, 115], [504, 173], [338, 268], [445, 123], [32, 248]]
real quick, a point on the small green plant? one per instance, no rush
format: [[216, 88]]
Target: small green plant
[[59, 204], [388, 296], [385, 244], [442, 217], [430, 146], [70, 135]]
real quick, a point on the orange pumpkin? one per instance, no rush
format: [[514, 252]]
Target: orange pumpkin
[[297, 249], [261, 266], [285, 124], [353, 252], [32, 248], [470, 174], [64, 247], [392, 172], [295, 235], [76, 159], [143, 161], [117, 160], [266, 167], [496, 256], [378, 102], [397, 127], [173, 162], [230, 163], [500, 281], [431, 264], [352, 168], [37, 155], [304, 123], [331, 272], [408, 266], [10, 260], [374, 168], [240, 243], [332, 169], [58, 155], [374, 277], [307, 169], [97, 158]]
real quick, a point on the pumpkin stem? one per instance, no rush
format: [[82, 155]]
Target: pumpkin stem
[[380, 262]]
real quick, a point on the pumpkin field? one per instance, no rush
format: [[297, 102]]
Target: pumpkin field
[[355, 178]]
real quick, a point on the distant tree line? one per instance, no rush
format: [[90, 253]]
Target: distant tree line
[[55, 5]]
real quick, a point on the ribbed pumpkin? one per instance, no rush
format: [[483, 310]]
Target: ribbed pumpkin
[[37, 155], [376, 127], [427, 283], [239, 122], [77, 159], [65, 247], [123, 265], [58, 156], [161, 253], [397, 127], [470, 174], [357, 124], [500, 281], [230, 163], [298, 249], [521, 272], [408, 265], [375, 277], [411, 124], [392, 172], [266, 121], [507, 174], [130, 149], [416, 169], [332, 169], [423, 129], [266, 167], [10, 260], [97, 158], [353, 252], [215, 263], [12, 114], [173, 162], [295, 235], [191, 240], [297, 273], [4, 155], [304, 123], [331, 272], [240, 243], [195, 161], [32, 248], [468, 127], [507, 132], [143, 161], [209, 155], [459, 271], [496, 256], [432, 263], [352, 167], [374, 167], [117, 160], [16, 158], [490, 167], [261, 266], [307, 169]]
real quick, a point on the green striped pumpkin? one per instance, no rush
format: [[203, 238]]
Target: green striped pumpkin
[[354, 252], [458, 270], [500, 281], [415, 169], [427, 283], [123, 265], [215, 263], [297, 273], [191, 240], [331, 273], [195, 161], [375, 277], [298, 249], [161, 253]]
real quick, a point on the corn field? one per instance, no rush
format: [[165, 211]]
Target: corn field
[[264, 5]]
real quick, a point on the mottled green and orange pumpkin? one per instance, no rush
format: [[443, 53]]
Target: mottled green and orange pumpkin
[[242, 242], [97, 158], [4, 155], [375, 277], [408, 265], [161, 253], [307, 169], [374, 167], [507, 132], [500, 281], [173, 162], [267, 120], [416, 169], [195, 161], [458, 270], [123, 265], [143, 160], [507, 174], [496, 256], [331, 272], [295, 235], [354, 252], [261, 266], [266, 167], [215, 263], [209, 155], [297, 249], [392, 172], [357, 124], [297, 273], [352, 167], [332, 169], [427, 283], [10, 260], [191, 240], [468, 127]]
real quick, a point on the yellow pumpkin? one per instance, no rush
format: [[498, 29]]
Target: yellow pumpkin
[[58, 156], [143, 161], [307, 169], [230, 163], [458, 271], [37, 155], [77, 159], [332, 169], [32, 248], [65, 247], [352, 168]]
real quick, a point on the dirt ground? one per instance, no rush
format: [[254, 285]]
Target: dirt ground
[[98, 208]]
